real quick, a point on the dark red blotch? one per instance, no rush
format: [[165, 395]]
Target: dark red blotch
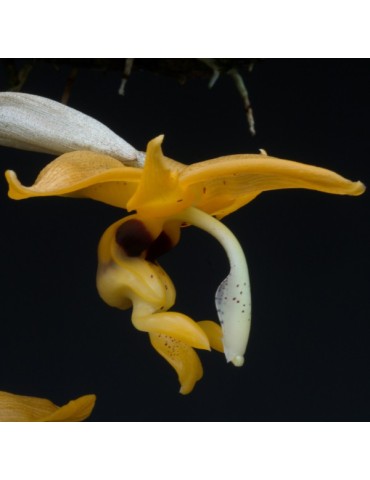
[[133, 237]]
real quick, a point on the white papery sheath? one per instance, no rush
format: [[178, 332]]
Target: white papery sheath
[[30, 122]]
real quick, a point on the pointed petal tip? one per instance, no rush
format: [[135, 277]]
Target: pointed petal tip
[[15, 191], [10, 174], [214, 333], [359, 188], [74, 411], [183, 359], [202, 341], [352, 188], [186, 389], [156, 142]]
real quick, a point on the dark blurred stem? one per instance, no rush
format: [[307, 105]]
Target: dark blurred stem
[[240, 85], [126, 73], [69, 85]]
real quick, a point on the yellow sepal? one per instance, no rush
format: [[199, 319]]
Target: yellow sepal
[[222, 185], [159, 193], [214, 334], [81, 174], [165, 187]]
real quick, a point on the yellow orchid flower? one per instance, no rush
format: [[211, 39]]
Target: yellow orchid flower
[[164, 195], [20, 408]]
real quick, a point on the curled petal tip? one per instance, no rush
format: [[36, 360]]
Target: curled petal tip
[[74, 411], [359, 188], [181, 357]]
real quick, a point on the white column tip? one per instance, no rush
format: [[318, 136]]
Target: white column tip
[[238, 361]]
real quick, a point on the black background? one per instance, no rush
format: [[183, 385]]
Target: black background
[[308, 253]]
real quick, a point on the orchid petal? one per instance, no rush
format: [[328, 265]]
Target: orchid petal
[[121, 280], [146, 286], [165, 187], [20, 408], [181, 357], [214, 334], [30, 122], [81, 174], [124, 280], [173, 324], [223, 185]]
